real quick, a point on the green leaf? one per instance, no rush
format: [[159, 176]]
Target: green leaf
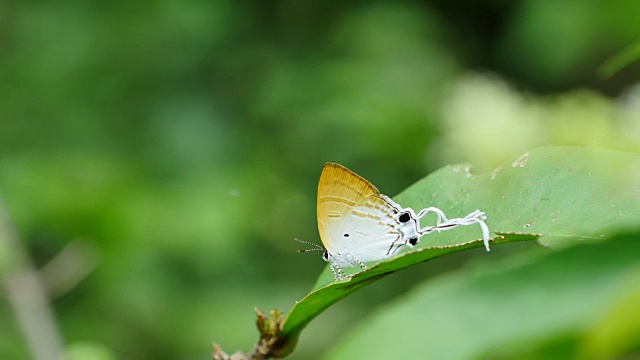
[[536, 307], [620, 60], [564, 194]]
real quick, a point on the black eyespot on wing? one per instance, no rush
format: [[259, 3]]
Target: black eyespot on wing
[[404, 217], [413, 240], [346, 235]]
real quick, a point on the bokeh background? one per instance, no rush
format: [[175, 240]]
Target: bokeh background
[[157, 159]]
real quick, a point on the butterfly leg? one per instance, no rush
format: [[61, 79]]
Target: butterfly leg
[[362, 265], [337, 271]]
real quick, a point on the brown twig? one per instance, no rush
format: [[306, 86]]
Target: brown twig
[[69, 267], [26, 295], [268, 346]]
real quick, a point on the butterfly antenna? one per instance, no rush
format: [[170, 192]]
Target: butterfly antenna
[[318, 247]]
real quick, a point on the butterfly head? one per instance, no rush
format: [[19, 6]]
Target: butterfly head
[[325, 255], [325, 252]]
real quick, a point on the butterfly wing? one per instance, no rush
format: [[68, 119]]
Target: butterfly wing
[[352, 215], [339, 191], [370, 231]]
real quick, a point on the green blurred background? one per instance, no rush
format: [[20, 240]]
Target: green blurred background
[[158, 158]]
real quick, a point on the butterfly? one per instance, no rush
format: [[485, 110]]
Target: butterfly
[[358, 224]]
